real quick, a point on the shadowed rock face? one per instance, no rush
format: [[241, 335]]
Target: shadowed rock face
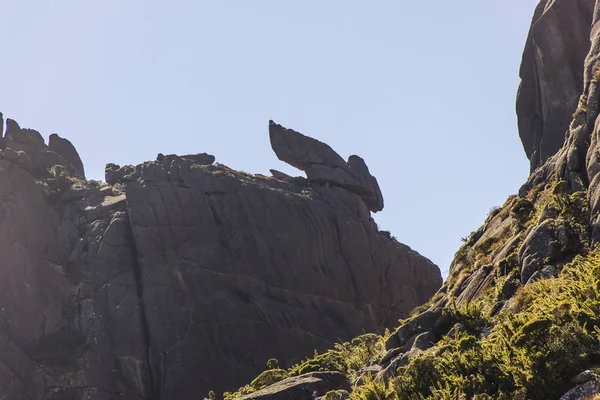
[[181, 276], [552, 75], [323, 165]]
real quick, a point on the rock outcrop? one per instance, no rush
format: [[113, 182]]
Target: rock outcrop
[[555, 216], [323, 165], [308, 385], [552, 75], [517, 317], [180, 276]]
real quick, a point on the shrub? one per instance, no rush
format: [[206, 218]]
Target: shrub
[[374, 390], [522, 211], [347, 358], [268, 378], [335, 395], [533, 349], [493, 212], [211, 396], [596, 75], [328, 361]]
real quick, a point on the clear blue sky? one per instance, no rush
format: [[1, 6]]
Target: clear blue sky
[[424, 91]]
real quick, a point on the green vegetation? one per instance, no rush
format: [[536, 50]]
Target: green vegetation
[[583, 100], [548, 333], [211, 396], [373, 389], [596, 75], [64, 179], [272, 363], [493, 212], [306, 193], [347, 358], [521, 211], [511, 340]]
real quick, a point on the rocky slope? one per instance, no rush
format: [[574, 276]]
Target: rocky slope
[[519, 315], [181, 275]]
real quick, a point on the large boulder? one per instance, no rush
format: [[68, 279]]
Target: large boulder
[[323, 165], [303, 387]]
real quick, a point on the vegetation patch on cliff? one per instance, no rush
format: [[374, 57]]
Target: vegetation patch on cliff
[[547, 334]]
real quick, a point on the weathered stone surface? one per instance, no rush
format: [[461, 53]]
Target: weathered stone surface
[[476, 284], [421, 341], [552, 75], [114, 174], [585, 376], [583, 391], [422, 323], [411, 349], [250, 252], [41, 157], [303, 387], [548, 272], [200, 158], [179, 276], [279, 175], [373, 197], [302, 151], [367, 373], [323, 165], [548, 242], [66, 150]]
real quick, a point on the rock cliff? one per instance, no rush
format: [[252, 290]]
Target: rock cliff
[[552, 74], [180, 275], [519, 315]]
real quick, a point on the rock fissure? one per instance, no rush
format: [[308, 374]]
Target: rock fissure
[[145, 328]]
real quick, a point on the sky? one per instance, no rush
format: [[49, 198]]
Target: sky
[[424, 91]]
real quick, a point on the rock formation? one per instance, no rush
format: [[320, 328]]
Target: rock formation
[[554, 217], [180, 276], [519, 315], [552, 75], [323, 165]]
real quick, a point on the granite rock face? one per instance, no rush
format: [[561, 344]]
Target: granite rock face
[[552, 74], [181, 276], [323, 165]]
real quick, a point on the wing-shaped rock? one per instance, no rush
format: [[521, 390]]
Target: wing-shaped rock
[[323, 165]]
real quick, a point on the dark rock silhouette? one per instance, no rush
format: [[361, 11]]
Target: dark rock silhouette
[[180, 275], [323, 165]]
